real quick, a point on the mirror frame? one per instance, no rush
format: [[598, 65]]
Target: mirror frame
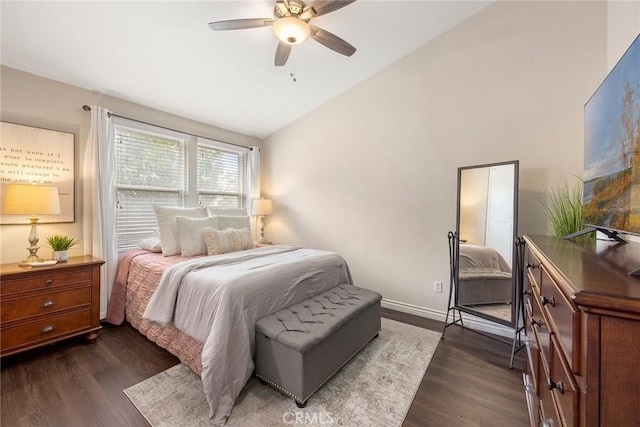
[[514, 297]]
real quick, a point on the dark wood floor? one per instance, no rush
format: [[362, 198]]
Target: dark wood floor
[[72, 383]]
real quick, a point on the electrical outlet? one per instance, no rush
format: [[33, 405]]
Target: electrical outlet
[[437, 286]]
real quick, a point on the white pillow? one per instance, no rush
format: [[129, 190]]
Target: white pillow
[[166, 217], [190, 234], [229, 240], [233, 221], [151, 244]]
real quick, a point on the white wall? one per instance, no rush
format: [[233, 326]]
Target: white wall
[[35, 101], [623, 18], [372, 173]]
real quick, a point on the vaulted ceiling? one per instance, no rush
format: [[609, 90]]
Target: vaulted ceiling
[[163, 54]]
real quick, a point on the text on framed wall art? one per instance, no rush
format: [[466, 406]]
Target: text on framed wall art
[[30, 155]]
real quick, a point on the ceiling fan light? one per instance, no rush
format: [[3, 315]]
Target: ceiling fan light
[[291, 30]]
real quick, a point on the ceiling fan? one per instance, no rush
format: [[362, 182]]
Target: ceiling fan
[[291, 26]]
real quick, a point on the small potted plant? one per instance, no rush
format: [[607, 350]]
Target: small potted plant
[[61, 245]]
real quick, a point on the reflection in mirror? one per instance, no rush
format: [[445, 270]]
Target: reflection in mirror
[[486, 230]]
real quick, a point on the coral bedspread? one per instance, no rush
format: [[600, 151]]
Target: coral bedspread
[[225, 295]]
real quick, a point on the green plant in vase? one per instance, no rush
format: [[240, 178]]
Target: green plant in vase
[[563, 206], [60, 244]]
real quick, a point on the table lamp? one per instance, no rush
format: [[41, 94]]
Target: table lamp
[[262, 207], [33, 200]]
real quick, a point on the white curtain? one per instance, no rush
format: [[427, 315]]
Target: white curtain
[[99, 197], [254, 187]]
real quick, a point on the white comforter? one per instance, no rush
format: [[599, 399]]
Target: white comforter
[[218, 300]]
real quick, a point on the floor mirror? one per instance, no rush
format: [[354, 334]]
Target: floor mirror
[[484, 251]]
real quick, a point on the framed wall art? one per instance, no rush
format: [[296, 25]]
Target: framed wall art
[[30, 155]]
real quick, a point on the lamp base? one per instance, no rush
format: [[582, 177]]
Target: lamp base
[[33, 257]]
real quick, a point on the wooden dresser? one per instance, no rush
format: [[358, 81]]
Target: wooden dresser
[[42, 305], [582, 316]]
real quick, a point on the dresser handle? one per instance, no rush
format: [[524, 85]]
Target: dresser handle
[[535, 322], [48, 329], [527, 292], [532, 266], [544, 301], [48, 281], [559, 385], [47, 304]]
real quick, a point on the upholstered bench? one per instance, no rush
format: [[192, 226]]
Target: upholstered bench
[[299, 348]]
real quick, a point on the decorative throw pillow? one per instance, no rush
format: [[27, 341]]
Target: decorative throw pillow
[[151, 244], [233, 221], [229, 240], [191, 236], [166, 217]]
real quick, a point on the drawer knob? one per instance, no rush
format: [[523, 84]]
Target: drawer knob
[[48, 329], [557, 385], [535, 322], [532, 266], [48, 281], [544, 301], [527, 292], [47, 304]]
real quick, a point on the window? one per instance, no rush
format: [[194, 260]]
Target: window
[[155, 166]]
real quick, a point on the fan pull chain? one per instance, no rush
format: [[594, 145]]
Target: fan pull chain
[[292, 74]]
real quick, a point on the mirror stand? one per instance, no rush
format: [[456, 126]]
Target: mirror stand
[[519, 329]]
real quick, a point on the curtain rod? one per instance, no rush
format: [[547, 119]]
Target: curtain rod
[[110, 114]]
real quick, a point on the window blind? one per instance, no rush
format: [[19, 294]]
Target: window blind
[[150, 170], [155, 166], [221, 177]]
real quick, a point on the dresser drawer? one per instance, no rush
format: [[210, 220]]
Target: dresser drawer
[[548, 411], [563, 386], [44, 281], [44, 303], [532, 368], [565, 319], [45, 329], [533, 269], [541, 330]]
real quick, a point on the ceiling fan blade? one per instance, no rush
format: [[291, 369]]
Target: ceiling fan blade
[[241, 24], [322, 7], [331, 41], [282, 54]]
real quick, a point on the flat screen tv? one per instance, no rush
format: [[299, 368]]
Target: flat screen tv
[[611, 192]]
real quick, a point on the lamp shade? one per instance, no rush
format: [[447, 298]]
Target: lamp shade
[[25, 199], [291, 30], [262, 207]]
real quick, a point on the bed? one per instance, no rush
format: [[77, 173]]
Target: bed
[[484, 277], [203, 308]]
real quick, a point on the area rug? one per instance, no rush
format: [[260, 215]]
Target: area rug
[[375, 388]]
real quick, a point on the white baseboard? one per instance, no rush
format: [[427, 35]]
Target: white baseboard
[[471, 321]]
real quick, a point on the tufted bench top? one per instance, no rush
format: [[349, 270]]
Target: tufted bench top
[[307, 323]]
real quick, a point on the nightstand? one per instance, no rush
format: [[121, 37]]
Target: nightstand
[[42, 305]]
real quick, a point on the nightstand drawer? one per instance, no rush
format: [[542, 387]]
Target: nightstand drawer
[[44, 303], [45, 281], [45, 330]]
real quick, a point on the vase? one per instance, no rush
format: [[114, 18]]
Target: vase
[[60, 256]]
